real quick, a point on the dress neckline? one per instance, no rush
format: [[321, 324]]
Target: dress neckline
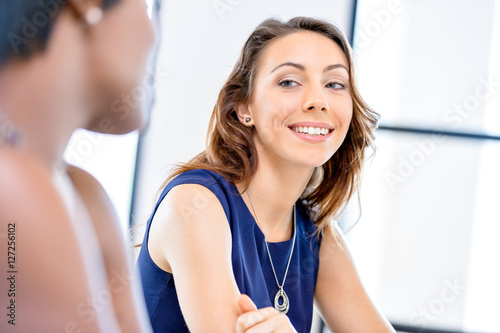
[[256, 226]]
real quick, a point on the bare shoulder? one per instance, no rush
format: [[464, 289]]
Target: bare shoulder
[[89, 188], [333, 242], [20, 167], [188, 212], [101, 211], [26, 187], [44, 234], [190, 201], [191, 207], [335, 260], [190, 237], [28, 195]]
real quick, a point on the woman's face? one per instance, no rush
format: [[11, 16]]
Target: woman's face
[[301, 105], [119, 45]]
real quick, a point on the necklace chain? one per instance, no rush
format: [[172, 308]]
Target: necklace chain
[[267, 246], [9, 134]]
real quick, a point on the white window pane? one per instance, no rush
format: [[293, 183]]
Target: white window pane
[[431, 63], [431, 224]]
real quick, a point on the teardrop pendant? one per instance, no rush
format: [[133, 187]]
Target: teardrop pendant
[[284, 306]]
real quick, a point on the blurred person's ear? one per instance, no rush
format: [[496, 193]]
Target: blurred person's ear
[[82, 7]]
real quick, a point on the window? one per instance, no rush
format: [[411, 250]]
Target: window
[[426, 241]]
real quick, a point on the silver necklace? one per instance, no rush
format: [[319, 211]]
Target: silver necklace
[[284, 306]]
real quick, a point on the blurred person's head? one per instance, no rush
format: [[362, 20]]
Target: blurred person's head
[[110, 41], [288, 74]]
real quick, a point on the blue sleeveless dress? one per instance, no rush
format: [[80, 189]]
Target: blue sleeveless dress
[[251, 267]]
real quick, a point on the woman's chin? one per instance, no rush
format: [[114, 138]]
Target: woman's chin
[[310, 158], [309, 163]]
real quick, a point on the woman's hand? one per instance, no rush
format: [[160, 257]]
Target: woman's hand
[[266, 320]]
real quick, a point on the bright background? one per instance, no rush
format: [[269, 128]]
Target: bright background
[[426, 244]]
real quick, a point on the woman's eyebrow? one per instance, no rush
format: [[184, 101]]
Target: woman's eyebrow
[[332, 67], [292, 64], [302, 68]]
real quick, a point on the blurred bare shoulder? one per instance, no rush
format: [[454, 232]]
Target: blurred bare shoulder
[[89, 188], [116, 255], [25, 183], [96, 200], [46, 253]]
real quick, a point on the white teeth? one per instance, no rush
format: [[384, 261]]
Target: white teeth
[[311, 130]]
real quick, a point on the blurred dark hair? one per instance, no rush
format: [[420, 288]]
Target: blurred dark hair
[[25, 26]]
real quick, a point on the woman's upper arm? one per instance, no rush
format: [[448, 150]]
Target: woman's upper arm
[[190, 231], [340, 296]]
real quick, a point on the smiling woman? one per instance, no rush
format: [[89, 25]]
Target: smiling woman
[[246, 227]]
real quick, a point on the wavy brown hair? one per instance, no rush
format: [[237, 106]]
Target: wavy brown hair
[[230, 149]]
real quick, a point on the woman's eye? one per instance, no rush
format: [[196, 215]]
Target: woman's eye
[[335, 85], [288, 83]]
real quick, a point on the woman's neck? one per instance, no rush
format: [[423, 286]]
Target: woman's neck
[[33, 112], [274, 189], [43, 95], [40, 99]]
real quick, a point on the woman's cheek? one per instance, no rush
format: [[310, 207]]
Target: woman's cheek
[[344, 112], [290, 103]]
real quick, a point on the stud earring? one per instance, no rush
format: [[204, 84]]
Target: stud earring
[[93, 16], [247, 119]]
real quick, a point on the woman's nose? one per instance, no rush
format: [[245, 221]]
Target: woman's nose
[[315, 100]]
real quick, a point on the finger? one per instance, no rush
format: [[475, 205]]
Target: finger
[[276, 322], [251, 319], [246, 304]]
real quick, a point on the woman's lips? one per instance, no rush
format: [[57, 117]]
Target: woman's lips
[[312, 132]]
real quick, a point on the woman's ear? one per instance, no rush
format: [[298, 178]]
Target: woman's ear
[[244, 114]]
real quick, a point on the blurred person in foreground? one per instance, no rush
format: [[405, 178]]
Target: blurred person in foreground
[[63, 261]]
